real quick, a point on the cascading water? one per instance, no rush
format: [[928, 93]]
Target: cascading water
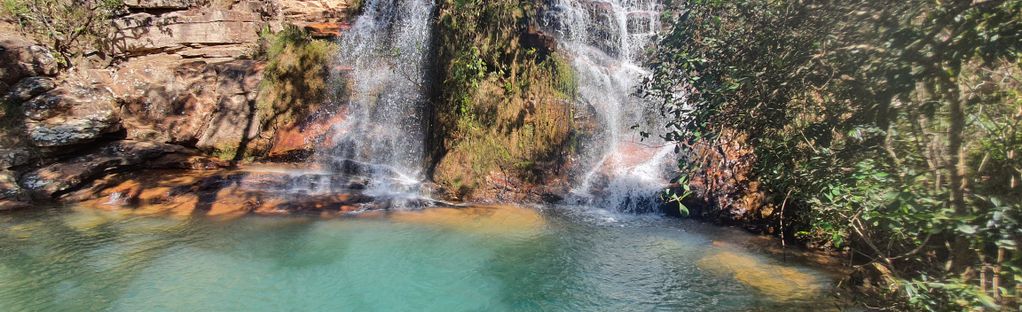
[[383, 134], [606, 40]]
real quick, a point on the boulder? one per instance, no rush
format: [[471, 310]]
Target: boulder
[[9, 188], [28, 88], [69, 116], [236, 121], [55, 179], [21, 58]]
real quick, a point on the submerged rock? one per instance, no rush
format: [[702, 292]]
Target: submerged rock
[[779, 282]]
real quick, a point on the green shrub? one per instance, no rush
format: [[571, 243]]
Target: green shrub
[[892, 125], [296, 77], [70, 28]]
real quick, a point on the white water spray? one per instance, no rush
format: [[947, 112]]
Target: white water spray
[[606, 39], [383, 134]]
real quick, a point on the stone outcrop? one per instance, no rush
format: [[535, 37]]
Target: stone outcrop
[[181, 85], [207, 33], [55, 179], [160, 4], [165, 99], [70, 116], [315, 10]]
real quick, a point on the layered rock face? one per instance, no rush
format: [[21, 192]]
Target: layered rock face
[[182, 90]]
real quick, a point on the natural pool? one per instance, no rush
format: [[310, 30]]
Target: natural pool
[[438, 259]]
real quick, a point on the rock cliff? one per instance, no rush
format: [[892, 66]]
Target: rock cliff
[[179, 87]]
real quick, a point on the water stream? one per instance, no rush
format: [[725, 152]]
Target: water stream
[[606, 41], [382, 136]]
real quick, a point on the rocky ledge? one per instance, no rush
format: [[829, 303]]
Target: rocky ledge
[[181, 92]]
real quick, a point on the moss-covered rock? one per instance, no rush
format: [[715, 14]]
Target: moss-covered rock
[[503, 120]]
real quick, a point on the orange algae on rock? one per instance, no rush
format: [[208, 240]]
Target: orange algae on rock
[[480, 219], [780, 283]]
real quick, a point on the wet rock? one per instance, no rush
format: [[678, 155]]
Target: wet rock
[[70, 116], [55, 179], [541, 41], [28, 88], [186, 161], [300, 141], [642, 22], [6, 205]]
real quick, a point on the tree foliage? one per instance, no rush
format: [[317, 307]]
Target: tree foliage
[[70, 28], [893, 125]]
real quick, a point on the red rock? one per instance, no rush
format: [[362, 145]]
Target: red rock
[[303, 138], [327, 30]]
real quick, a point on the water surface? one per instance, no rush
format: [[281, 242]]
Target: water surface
[[439, 259]]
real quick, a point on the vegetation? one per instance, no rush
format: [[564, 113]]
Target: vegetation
[[889, 130], [296, 74], [296, 78], [70, 28], [503, 111]]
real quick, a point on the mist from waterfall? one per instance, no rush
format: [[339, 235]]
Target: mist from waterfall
[[383, 134], [606, 39]]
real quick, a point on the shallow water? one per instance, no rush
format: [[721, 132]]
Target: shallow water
[[439, 259]]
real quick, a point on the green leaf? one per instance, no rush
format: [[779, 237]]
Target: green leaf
[[682, 209], [967, 229]]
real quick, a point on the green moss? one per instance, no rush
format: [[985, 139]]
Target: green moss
[[503, 108], [225, 151], [563, 75]]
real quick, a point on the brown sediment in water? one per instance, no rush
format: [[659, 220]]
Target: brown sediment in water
[[775, 281], [478, 219]]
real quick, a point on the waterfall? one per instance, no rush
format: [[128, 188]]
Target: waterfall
[[606, 40], [382, 136]]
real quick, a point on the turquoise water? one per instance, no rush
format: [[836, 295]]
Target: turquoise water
[[552, 259]]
